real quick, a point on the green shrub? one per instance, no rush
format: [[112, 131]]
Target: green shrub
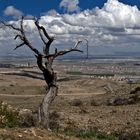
[[9, 117], [89, 134]]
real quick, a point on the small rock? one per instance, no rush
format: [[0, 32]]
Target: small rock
[[20, 135]]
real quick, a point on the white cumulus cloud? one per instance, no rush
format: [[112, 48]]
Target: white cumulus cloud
[[12, 11], [114, 27], [70, 5]]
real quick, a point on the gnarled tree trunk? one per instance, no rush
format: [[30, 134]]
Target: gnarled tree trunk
[[51, 91], [43, 112]]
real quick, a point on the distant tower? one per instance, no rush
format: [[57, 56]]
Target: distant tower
[[87, 49], [28, 64]]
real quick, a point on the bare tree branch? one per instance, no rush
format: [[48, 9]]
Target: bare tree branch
[[19, 45], [75, 49], [22, 36], [39, 30], [63, 52], [43, 29], [10, 25], [18, 36], [78, 42], [50, 39], [39, 62], [67, 51]]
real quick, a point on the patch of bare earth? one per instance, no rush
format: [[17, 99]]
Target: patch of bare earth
[[31, 134]]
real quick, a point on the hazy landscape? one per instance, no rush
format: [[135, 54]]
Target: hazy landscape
[[97, 96]]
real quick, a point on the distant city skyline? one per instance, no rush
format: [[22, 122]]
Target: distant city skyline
[[110, 26]]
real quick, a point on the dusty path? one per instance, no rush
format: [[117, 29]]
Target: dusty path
[[34, 95]]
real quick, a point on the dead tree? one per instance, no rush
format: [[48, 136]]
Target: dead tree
[[45, 66]]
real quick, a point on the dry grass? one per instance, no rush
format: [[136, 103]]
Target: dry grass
[[89, 96]]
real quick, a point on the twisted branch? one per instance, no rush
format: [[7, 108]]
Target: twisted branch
[[22, 36], [10, 25], [63, 52], [47, 44]]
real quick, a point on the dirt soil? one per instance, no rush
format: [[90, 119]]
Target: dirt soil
[[24, 88], [31, 134]]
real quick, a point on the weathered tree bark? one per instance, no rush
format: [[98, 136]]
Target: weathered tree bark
[[43, 112], [51, 93], [46, 67]]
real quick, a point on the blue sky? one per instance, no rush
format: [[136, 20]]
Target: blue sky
[[111, 26], [38, 7]]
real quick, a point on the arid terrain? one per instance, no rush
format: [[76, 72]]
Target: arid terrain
[[84, 102]]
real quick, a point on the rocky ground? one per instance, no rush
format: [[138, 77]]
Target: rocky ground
[[83, 103]]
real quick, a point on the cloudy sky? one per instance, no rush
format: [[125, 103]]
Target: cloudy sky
[[110, 26]]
